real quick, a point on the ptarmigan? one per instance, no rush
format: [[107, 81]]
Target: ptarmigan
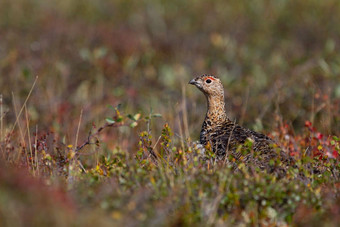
[[225, 137]]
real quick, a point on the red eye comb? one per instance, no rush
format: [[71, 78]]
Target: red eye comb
[[211, 78]]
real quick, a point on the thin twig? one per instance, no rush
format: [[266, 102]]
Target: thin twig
[[183, 140], [19, 126], [36, 170], [29, 137], [77, 134], [22, 108], [185, 112], [90, 136]]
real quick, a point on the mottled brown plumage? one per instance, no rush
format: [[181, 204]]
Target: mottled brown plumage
[[225, 136]]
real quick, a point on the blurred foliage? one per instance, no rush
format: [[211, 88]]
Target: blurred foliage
[[280, 64], [273, 56], [164, 184]]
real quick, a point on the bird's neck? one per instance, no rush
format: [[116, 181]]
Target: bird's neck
[[216, 110]]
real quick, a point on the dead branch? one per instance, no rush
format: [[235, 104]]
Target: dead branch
[[91, 135]]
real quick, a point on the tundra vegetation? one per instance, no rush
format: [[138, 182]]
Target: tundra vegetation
[[98, 124]]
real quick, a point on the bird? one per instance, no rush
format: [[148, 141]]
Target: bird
[[228, 140]]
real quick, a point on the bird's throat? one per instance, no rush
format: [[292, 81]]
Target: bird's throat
[[216, 110]]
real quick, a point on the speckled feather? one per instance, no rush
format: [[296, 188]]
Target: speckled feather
[[225, 136]]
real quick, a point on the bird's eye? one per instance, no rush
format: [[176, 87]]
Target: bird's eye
[[208, 81]]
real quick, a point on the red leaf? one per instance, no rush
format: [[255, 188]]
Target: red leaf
[[319, 135], [308, 124]]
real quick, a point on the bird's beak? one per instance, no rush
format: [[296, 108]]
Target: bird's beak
[[193, 82], [196, 82]]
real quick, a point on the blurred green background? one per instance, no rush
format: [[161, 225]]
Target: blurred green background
[[277, 59]]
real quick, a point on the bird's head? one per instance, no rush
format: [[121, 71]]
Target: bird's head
[[210, 85]]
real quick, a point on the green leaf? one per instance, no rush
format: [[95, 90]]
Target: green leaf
[[137, 116], [118, 106], [110, 120], [134, 117], [130, 116], [119, 119], [156, 115], [133, 124]]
